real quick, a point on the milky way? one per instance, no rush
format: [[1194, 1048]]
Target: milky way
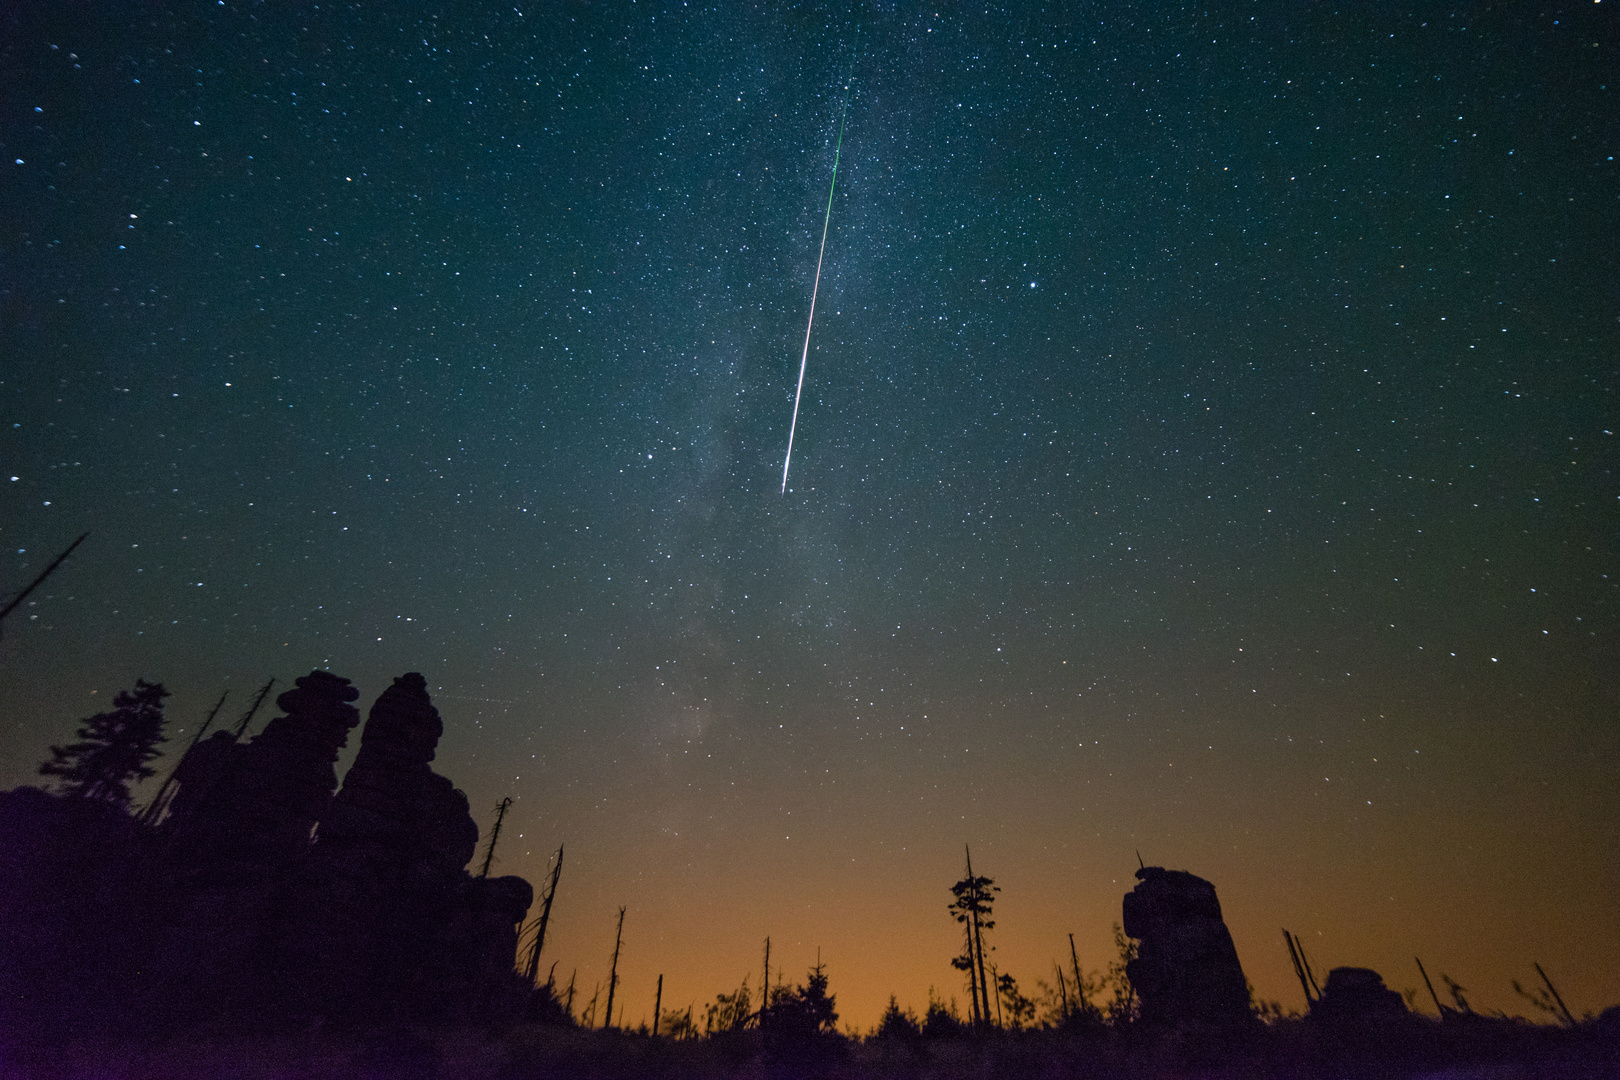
[[1271, 532]]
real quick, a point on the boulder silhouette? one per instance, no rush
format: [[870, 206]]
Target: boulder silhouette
[[1358, 995]]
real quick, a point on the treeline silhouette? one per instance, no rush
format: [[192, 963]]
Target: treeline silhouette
[[255, 911]]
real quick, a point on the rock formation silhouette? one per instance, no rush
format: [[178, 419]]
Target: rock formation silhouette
[[259, 892], [1359, 996], [257, 803], [394, 923], [1186, 971], [237, 833]]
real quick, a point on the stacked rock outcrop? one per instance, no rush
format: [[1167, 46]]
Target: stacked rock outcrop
[[234, 843], [392, 916], [260, 892], [1186, 971], [257, 803]]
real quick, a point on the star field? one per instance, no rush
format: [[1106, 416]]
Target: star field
[[1207, 449]]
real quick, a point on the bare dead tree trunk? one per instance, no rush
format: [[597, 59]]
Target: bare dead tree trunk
[[1309, 974], [43, 574], [765, 987], [1079, 983], [494, 835], [1296, 954], [613, 971], [978, 940], [1441, 1009], [1556, 996], [247, 717], [533, 971], [587, 1015], [658, 1003]]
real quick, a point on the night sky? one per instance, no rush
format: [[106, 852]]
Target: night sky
[[1207, 450]]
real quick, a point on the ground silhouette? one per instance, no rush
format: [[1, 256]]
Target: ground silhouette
[[259, 920]]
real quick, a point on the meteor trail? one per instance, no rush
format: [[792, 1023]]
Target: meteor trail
[[804, 357]]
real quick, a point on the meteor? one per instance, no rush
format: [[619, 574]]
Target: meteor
[[804, 357]]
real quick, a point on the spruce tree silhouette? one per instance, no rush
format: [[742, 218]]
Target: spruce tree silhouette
[[816, 1005], [113, 747], [897, 1023], [975, 894]]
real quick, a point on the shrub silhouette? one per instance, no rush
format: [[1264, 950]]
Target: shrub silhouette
[[728, 1012]]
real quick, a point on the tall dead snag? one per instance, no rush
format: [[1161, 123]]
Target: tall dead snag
[[207, 781], [587, 1015], [247, 717], [1569, 1017], [1296, 953], [532, 972], [43, 574], [494, 835], [1299, 947], [658, 1003], [765, 987], [1082, 1003], [613, 971], [1439, 1008], [984, 887]]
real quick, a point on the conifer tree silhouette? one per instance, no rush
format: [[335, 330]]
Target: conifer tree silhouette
[[113, 747], [974, 896]]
